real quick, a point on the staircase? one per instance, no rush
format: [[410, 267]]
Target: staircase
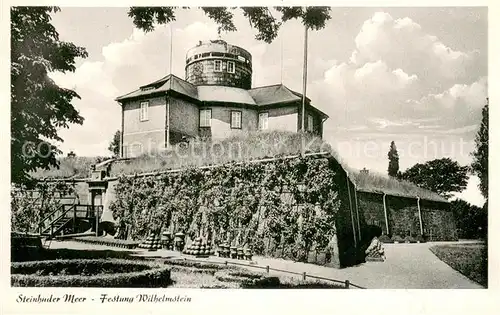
[[67, 218]]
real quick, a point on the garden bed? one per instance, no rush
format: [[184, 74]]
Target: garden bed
[[90, 273], [107, 241], [192, 274]]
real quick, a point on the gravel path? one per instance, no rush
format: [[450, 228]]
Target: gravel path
[[408, 266]]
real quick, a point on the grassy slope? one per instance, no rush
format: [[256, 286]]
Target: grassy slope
[[244, 147], [249, 146], [471, 260], [376, 183], [76, 167]]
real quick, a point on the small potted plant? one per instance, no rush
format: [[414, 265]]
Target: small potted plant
[[248, 254], [233, 252], [240, 254]]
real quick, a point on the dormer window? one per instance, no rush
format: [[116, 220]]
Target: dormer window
[[230, 66], [218, 65]]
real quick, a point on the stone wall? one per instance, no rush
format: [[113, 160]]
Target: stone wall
[[372, 209], [438, 223], [403, 216]]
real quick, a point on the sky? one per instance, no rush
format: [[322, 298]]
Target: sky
[[415, 76]]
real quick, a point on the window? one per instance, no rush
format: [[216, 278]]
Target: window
[[235, 119], [218, 65], [263, 120], [230, 66], [205, 117], [143, 115], [310, 123]]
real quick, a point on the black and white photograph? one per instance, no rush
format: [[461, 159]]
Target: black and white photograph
[[218, 147]]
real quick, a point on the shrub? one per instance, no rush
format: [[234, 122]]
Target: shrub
[[237, 276], [196, 264], [294, 283], [385, 239], [261, 283], [421, 239], [107, 241], [397, 238], [89, 273], [410, 239]]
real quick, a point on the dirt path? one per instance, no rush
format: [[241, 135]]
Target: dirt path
[[408, 266]]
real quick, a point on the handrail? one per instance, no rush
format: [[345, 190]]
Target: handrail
[[73, 206], [57, 209], [347, 283], [50, 215]]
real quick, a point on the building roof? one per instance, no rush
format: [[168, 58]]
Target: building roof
[[228, 94], [273, 94], [169, 82], [259, 96]]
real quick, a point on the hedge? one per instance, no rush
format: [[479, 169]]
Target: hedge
[[133, 274], [107, 241]]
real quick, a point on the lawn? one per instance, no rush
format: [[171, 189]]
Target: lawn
[[471, 260]]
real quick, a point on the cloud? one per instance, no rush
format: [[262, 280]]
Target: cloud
[[404, 44], [399, 74]]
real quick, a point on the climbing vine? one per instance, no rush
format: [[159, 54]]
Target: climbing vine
[[29, 205], [292, 202]]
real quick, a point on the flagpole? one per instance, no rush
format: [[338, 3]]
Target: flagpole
[[167, 140], [304, 81]]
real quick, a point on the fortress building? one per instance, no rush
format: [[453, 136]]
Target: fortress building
[[216, 99]]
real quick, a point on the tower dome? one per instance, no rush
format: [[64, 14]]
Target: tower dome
[[216, 62]]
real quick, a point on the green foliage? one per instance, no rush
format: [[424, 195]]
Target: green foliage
[[480, 163], [89, 273], [114, 146], [260, 18], [442, 176], [472, 221], [29, 206], [235, 199], [393, 168], [39, 108]]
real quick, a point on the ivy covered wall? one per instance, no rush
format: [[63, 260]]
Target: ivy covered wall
[[438, 222], [291, 207]]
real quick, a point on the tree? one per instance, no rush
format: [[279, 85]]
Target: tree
[[71, 154], [442, 176], [38, 106], [114, 146], [260, 18], [480, 155], [393, 160], [472, 221]]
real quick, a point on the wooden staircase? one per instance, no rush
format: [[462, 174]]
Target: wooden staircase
[[66, 217]]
